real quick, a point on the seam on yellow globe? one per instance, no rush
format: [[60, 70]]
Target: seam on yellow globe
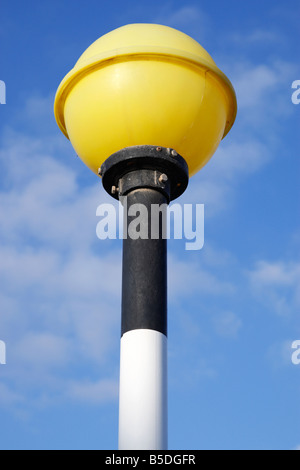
[[127, 54]]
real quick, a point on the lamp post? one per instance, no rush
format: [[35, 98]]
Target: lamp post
[[145, 107]]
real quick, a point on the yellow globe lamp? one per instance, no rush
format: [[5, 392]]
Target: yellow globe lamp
[[145, 84]]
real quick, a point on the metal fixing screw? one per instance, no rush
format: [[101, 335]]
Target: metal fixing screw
[[99, 171], [174, 153], [163, 178], [158, 149], [114, 190]]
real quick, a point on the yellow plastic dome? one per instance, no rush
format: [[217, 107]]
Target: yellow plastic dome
[[145, 84]]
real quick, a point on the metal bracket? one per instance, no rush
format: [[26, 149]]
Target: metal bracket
[[145, 166]]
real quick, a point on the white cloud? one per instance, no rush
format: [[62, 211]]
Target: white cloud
[[278, 273], [279, 354], [277, 284], [217, 183], [42, 350], [93, 392], [8, 397], [79, 296], [258, 37], [59, 288], [253, 83], [187, 278], [227, 324], [42, 200], [237, 159], [189, 18], [263, 93]]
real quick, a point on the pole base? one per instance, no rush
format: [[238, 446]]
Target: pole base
[[145, 166]]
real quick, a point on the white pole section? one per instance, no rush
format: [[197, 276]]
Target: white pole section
[[143, 411]]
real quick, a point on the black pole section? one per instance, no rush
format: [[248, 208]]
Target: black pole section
[[145, 179], [144, 299]]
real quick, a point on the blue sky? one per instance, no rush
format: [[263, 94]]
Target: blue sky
[[233, 306]]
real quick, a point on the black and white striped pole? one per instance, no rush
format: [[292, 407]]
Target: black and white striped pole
[[145, 179]]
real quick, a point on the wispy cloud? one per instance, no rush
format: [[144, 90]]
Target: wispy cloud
[[257, 37], [189, 18], [263, 96], [59, 289], [260, 88], [277, 284], [279, 354], [99, 392], [9, 397], [227, 324], [187, 278]]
